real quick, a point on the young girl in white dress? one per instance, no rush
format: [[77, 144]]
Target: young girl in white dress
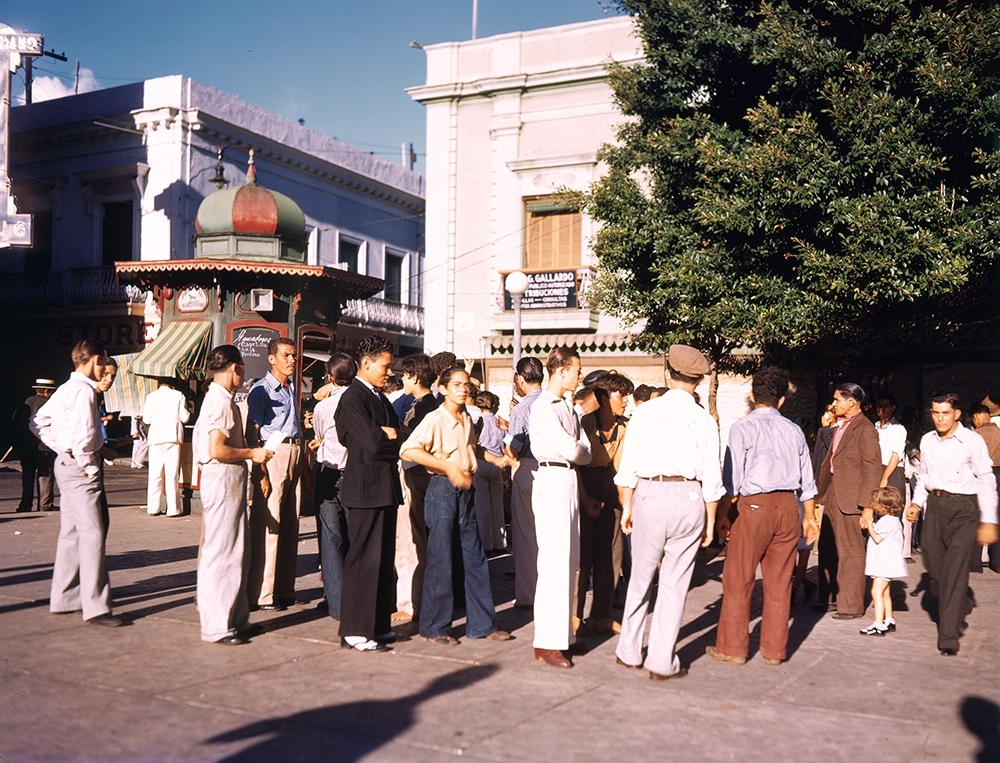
[[885, 559]]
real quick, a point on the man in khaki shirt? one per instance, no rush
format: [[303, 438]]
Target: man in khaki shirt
[[445, 444]]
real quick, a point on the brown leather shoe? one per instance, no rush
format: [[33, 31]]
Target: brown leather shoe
[[499, 636], [619, 661], [552, 657], [660, 677], [715, 654]]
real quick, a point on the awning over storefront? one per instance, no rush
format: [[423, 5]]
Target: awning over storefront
[[179, 351], [583, 342], [129, 391]]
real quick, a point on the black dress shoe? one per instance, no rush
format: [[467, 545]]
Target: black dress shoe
[[250, 631], [949, 652], [230, 641], [272, 607], [108, 620]]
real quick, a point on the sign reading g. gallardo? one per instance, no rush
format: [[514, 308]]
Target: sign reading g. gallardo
[[552, 290]]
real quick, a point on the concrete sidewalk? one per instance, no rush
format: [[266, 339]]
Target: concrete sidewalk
[[152, 691]]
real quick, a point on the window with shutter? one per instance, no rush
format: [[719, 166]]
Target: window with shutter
[[552, 234]]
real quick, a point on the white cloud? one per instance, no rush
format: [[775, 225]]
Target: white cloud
[[44, 88]]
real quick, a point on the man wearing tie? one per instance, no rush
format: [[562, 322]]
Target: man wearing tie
[[370, 490]]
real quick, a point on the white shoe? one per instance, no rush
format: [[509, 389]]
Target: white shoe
[[875, 629]]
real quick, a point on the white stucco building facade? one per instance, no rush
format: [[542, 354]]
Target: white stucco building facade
[[512, 120]]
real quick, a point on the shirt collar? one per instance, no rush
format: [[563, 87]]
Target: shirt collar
[[87, 379], [272, 381], [891, 422], [374, 391], [767, 411], [220, 388], [960, 434]]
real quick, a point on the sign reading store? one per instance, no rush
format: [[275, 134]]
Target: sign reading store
[[551, 290]]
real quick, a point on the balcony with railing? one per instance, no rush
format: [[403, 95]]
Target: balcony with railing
[[390, 316], [77, 287]]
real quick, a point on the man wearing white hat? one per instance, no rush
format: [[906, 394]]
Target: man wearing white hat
[[35, 457]]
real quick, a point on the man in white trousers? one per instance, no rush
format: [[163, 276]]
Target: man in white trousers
[[164, 413], [558, 443], [670, 482], [220, 449]]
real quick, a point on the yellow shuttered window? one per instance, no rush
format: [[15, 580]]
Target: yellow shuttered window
[[552, 234]]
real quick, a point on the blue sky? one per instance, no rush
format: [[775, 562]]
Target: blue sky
[[342, 66]]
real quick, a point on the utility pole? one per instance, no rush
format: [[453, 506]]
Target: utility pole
[[475, 17], [28, 75], [76, 78]]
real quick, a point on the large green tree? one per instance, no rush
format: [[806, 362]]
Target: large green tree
[[811, 179]]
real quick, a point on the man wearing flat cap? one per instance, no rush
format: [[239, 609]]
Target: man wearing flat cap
[[670, 482], [36, 458]]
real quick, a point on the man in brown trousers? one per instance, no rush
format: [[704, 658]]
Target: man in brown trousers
[[850, 472]]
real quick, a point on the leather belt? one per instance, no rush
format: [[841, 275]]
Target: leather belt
[[561, 464], [664, 478], [946, 494]]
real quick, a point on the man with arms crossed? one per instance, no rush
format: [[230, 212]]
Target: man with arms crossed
[[958, 494], [370, 491], [671, 484], [767, 468], [274, 514], [70, 425], [220, 449]]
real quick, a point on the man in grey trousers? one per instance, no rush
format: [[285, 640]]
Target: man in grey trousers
[[70, 425], [670, 482]]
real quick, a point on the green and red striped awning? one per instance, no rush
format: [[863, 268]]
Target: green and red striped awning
[[129, 391], [179, 351]]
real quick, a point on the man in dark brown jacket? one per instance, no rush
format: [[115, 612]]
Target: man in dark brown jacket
[[850, 472]]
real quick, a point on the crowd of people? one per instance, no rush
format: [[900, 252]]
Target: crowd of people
[[599, 501]]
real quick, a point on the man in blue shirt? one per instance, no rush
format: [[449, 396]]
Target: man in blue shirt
[[767, 470], [274, 514]]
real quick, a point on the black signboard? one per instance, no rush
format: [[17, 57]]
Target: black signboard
[[252, 343], [552, 290]]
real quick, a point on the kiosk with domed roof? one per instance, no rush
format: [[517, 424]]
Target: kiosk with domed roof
[[247, 284]]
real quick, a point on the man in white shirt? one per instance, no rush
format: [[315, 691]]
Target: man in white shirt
[[670, 482], [165, 413], [558, 442], [70, 425], [958, 493]]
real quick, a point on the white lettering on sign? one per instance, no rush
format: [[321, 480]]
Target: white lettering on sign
[[16, 230], [25, 43]]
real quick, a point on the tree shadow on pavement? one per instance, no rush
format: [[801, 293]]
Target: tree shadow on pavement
[[144, 557], [346, 732], [982, 718]]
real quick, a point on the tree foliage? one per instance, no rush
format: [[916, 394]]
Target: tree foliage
[[815, 179]]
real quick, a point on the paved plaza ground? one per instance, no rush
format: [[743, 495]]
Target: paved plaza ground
[[152, 691]]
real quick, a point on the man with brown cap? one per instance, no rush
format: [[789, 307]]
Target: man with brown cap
[[35, 457], [670, 482]]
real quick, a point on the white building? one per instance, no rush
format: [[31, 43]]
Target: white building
[[119, 174], [512, 120]]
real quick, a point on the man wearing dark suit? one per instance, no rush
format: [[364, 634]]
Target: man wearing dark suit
[[370, 490], [850, 472]]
